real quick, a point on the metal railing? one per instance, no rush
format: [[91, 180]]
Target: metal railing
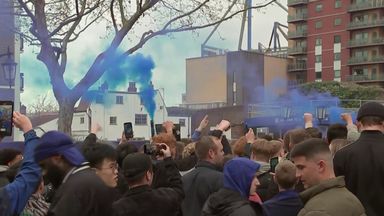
[[365, 24], [204, 105], [296, 2], [366, 42], [365, 78], [371, 4], [297, 50], [365, 59], [297, 34], [297, 66], [297, 17]]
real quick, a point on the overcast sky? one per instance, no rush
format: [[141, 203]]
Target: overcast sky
[[168, 53]]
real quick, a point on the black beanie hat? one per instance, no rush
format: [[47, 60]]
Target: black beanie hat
[[135, 165], [370, 109]]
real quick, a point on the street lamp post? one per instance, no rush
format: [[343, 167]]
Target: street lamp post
[[9, 67]]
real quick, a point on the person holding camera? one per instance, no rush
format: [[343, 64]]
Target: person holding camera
[[143, 200]]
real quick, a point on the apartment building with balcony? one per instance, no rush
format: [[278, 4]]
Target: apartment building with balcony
[[341, 40]]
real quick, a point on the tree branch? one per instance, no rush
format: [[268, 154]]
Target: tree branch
[[113, 16], [150, 34], [74, 19]]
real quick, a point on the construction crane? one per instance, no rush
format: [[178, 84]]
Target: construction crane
[[246, 16]]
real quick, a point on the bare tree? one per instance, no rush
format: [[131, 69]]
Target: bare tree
[[53, 24], [42, 104]]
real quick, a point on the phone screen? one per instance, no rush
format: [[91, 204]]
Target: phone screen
[[159, 128], [6, 114], [128, 130], [176, 132], [273, 163]]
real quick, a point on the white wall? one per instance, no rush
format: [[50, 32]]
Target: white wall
[[125, 112], [185, 131]]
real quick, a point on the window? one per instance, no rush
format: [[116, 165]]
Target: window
[[336, 39], [337, 73], [318, 58], [182, 122], [113, 120], [318, 41], [81, 120], [337, 21], [319, 7], [336, 57], [318, 75], [337, 3], [140, 119], [119, 99], [99, 99], [318, 24]]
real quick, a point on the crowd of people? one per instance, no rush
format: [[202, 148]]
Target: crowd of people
[[303, 173]]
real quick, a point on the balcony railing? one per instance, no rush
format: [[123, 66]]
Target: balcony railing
[[365, 24], [297, 17], [297, 67], [372, 4], [366, 60], [366, 42], [297, 50], [294, 83], [296, 2], [297, 34], [365, 78]]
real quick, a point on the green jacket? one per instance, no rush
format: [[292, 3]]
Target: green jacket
[[330, 198]]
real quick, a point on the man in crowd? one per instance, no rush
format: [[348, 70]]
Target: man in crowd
[[141, 199], [206, 178], [287, 202], [14, 196], [325, 194], [362, 162], [80, 192]]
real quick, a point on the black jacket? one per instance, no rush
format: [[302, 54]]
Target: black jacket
[[226, 202], [362, 164], [198, 185], [82, 194], [147, 201]]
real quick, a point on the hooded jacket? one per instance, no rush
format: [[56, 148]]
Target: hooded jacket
[[232, 200]]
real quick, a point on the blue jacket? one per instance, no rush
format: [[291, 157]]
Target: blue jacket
[[285, 203], [14, 196]]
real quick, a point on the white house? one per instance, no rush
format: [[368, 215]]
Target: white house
[[110, 109]]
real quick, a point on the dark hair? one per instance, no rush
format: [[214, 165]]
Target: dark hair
[[310, 148], [336, 131], [371, 120], [97, 152], [314, 132], [124, 149], [7, 155], [286, 174], [203, 146]]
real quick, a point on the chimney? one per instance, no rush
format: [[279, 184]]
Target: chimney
[[132, 87], [104, 87]]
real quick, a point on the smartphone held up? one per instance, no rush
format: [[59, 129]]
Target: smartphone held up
[[6, 121], [128, 130]]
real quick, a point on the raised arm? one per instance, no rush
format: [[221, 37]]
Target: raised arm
[[26, 181]]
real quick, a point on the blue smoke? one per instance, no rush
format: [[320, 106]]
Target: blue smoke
[[290, 107], [136, 68]]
